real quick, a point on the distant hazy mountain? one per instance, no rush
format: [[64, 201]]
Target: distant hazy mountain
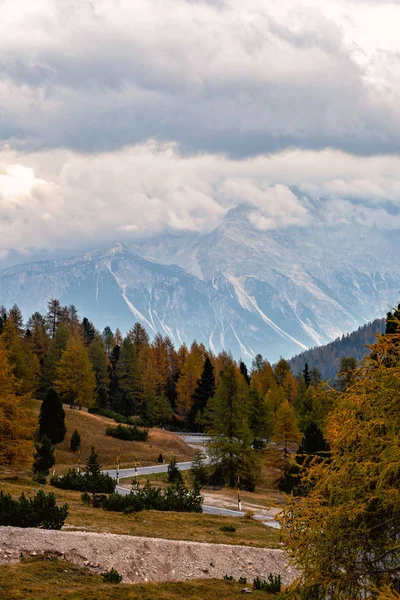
[[249, 291], [327, 358]]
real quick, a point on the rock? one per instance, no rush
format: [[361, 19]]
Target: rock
[[246, 590]]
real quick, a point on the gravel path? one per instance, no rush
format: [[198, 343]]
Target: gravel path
[[141, 559]]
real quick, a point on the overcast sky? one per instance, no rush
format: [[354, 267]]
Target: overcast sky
[[121, 118]]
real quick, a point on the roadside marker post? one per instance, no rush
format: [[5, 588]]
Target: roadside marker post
[[239, 500], [118, 458], [79, 462]]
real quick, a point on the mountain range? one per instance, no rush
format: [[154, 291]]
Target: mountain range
[[276, 292]]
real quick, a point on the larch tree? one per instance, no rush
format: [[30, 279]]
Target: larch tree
[[16, 419], [230, 445], [345, 534], [286, 432], [75, 380]]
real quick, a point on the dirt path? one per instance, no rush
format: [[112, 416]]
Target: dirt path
[[141, 559]]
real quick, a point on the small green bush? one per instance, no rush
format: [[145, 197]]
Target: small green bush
[[40, 511], [228, 528], [112, 576], [243, 580], [100, 483], [75, 443], [174, 473], [128, 433], [175, 498], [228, 577], [273, 585]]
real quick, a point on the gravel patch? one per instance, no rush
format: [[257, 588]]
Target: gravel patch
[[141, 559]]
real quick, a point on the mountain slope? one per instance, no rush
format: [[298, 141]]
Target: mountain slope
[[275, 292]]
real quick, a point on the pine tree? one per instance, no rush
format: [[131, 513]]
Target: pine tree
[[306, 375], [108, 339], [129, 379], [244, 372], [54, 316], [75, 380], [89, 331], [43, 458], [75, 443], [52, 418], [204, 391]]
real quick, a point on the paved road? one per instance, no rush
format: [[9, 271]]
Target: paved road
[[183, 466], [160, 468]]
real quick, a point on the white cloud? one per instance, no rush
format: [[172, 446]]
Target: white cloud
[[68, 199]]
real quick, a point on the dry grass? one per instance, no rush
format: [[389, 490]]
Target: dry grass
[[192, 527], [49, 578], [92, 429]]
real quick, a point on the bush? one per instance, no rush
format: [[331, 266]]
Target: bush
[[174, 474], [112, 576], [175, 498], [43, 457], [228, 528], [118, 418], [75, 441], [128, 433], [84, 482], [273, 585], [160, 458], [40, 511]]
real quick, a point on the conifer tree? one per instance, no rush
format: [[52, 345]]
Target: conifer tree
[[52, 418], [21, 357], [108, 339], [75, 381], [344, 535], [260, 415], [16, 419], [244, 372], [54, 316], [93, 466], [204, 391], [43, 458], [75, 443], [48, 372], [286, 431], [230, 445]]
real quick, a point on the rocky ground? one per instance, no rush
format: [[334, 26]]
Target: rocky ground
[[141, 559]]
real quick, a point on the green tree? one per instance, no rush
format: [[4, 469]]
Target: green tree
[[230, 445], [347, 369], [204, 391], [43, 458], [93, 466], [75, 443], [260, 415], [52, 418]]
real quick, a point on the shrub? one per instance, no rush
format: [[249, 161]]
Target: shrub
[[86, 498], [40, 511], [160, 458], [228, 528], [112, 576], [43, 457], [118, 418], [75, 441], [273, 585], [228, 577], [128, 433], [174, 474], [84, 482], [175, 498]]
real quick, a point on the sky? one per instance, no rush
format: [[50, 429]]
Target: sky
[[122, 119]]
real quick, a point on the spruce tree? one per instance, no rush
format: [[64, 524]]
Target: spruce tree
[[52, 418], [306, 375], [260, 415], [204, 391], [244, 372], [93, 466], [43, 458], [75, 443]]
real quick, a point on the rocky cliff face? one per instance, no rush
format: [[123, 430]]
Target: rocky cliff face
[[238, 288]]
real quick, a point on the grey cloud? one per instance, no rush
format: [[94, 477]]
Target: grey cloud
[[211, 76]]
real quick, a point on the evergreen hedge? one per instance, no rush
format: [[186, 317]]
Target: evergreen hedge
[[100, 483], [175, 498], [128, 433], [40, 511]]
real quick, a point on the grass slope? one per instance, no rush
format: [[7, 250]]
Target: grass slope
[[192, 527], [47, 578], [92, 429]]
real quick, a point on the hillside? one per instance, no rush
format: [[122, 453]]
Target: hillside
[[92, 429], [327, 358]]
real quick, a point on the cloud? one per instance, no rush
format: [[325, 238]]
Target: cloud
[[67, 199], [236, 78]]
